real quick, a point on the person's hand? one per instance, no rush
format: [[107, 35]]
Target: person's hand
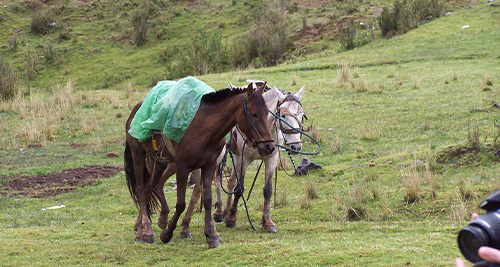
[[486, 253]]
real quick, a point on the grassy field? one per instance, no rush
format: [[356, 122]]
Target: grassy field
[[407, 141]]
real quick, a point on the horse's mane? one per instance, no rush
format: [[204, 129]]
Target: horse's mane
[[217, 96]]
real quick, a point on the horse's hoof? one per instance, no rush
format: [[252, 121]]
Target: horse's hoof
[[213, 243], [186, 235], [270, 229], [165, 236], [218, 217], [162, 224], [148, 239], [230, 224]]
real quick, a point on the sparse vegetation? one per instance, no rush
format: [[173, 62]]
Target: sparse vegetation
[[9, 81], [140, 18], [41, 19]]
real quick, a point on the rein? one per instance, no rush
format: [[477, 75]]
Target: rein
[[239, 187]]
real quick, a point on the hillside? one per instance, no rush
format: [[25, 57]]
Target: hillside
[[407, 128], [93, 41]]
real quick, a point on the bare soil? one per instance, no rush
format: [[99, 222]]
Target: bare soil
[[53, 184]]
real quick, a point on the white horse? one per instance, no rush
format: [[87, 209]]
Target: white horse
[[289, 108]]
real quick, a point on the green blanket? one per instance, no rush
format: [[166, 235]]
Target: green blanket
[[170, 106]]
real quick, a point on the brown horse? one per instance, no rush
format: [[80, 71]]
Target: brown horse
[[288, 107], [202, 143]]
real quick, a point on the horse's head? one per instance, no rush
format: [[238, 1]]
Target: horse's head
[[290, 110], [254, 123]]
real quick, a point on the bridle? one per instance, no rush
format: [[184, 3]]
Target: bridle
[[284, 111], [250, 123]]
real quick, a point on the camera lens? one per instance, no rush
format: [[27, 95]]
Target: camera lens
[[483, 231], [470, 239]]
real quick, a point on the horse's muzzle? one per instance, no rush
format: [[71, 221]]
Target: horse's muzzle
[[265, 149]]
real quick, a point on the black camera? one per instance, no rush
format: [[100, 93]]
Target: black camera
[[483, 231]]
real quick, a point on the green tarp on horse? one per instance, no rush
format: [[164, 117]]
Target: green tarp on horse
[[170, 106]]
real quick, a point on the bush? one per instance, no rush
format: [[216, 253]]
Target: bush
[[140, 18], [267, 42], [351, 35], [40, 21], [407, 14], [9, 81], [204, 53]]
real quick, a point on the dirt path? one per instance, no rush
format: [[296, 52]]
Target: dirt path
[[53, 184]]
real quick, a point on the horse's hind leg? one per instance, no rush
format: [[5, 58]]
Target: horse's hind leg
[[181, 177], [169, 171], [218, 213], [195, 196], [213, 237], [144, 232]]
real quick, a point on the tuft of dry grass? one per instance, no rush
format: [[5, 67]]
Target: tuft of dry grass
[[113, 100], [242, 76], [311, 190], [356, 72], [315, 133], [416, 82], [282, 201], [343, 75], [336, 144], [128, 95], [362, 86], [20, 104], [426, 126], [64, 100], [368, 133], [487, 81], [88, 125], [94, 145], [411, 183], [294, 80], [454, 76], [465, 189], [306, 202]]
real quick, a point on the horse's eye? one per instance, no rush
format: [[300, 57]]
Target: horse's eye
[[254, 115], [283, 116]]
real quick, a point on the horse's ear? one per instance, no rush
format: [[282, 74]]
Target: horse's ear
[[250, 89], [280, 95], [300, 92], [261, 89]]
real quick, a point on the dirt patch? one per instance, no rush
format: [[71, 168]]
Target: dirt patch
[[53, 184]]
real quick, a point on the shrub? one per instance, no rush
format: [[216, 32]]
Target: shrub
[[9, 81], [267, 42], [140, 18], [407, 14], [40, 21], [205, 53]]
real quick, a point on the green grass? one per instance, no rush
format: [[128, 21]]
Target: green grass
[[384, 134]]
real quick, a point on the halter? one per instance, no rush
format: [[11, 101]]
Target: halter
[[249, 121], [286, 112]]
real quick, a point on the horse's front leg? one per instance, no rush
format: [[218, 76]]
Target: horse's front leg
[[182, 177], [213, 237], [144, 231], [267, 223], [230, 217], [195, 196]]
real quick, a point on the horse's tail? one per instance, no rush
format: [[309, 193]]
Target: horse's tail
[[129, 173], [154, 201]]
